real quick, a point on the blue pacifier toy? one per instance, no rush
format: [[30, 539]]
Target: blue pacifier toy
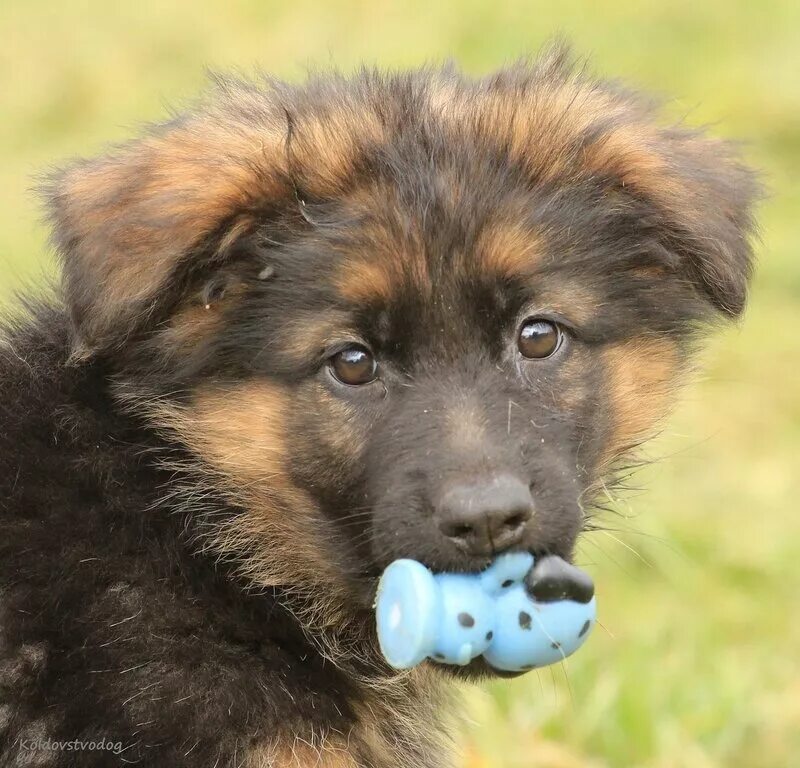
[[516, 614]]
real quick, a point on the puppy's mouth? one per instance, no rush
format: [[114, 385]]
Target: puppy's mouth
[[555, 577], [465, 564]]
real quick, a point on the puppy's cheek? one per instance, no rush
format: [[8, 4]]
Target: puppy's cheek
[[327, 461], [328, 441], [241, 436], [580, 398], [641, 379], [239, 429]]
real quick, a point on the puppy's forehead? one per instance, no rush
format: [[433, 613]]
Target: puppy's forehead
[[461, 195], [431, 267], [434, 241]]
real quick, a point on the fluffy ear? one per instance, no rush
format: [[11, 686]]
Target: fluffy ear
[[123, 222], [707, 198], [703, 195]]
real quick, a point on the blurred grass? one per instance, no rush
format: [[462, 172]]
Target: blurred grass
[[699, 665]]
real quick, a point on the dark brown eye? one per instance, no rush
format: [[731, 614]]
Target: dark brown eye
[[354, 365], [538, 338]]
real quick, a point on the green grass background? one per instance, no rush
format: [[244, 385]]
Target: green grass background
[[699, 583]]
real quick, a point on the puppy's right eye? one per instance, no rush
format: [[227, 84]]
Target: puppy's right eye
[[354, 365]]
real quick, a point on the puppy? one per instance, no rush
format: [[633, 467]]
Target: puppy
[[303, 331]]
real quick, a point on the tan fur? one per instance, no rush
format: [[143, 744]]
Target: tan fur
[[192, 177], [189, 325], [304, 337], [239, 429], [235, 436], [387, 256], [537, 127], [641, 380], [341, 430], [410, 712], [572, 300], [574, 389], [365, 280], [324, 148], [508, 249], [212, 169]]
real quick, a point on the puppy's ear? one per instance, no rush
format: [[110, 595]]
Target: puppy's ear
[[701, 194], [706, 197], [124, 222]]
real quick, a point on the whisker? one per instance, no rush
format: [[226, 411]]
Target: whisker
[[605, 629], [628, 547], [565, 670], [611, 558]]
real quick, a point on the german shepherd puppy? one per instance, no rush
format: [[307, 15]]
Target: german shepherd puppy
[[303, 331]]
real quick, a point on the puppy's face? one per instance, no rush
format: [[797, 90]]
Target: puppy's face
[[431, 367], [418, 316]]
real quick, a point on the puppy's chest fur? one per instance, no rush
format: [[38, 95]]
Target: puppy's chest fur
[[112, 628]]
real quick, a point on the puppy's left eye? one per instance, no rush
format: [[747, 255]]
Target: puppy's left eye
[[539, 338], [354, 365]]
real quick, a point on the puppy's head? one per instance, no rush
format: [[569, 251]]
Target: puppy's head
[[413, 315]]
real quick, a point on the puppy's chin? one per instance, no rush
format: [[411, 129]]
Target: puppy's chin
[[478, 669]]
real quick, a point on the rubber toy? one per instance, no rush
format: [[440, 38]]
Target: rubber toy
[[518, 614]]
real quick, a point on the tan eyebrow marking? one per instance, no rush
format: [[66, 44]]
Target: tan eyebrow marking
[[305, 335], [509, 249]]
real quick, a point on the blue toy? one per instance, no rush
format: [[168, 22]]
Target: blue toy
[[517, 616]]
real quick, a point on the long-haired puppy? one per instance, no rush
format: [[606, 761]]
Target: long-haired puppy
[[300, 330]]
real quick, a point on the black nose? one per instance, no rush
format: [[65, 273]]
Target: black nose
[[487, 517]]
